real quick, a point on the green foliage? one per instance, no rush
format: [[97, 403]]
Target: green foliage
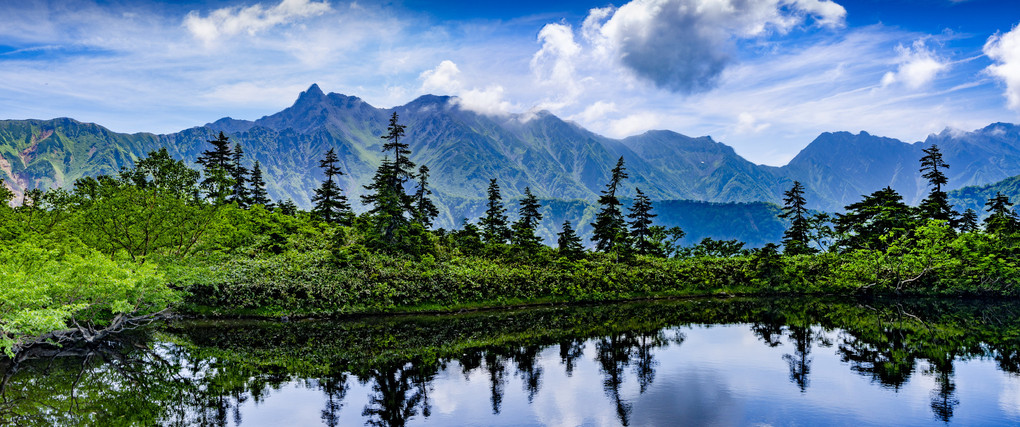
[[47, 289]]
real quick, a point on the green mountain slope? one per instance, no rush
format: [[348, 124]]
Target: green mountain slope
[[558, 160]]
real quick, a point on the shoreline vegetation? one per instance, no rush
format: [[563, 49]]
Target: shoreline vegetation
[[119, 250]]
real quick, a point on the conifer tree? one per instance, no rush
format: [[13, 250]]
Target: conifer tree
[[936, 205], [641, 222], [609, 227], [1002, 219], [239, 177], [494, 223], [796, 238], [568, 243], [424, 210], [391, 205], [401, 165], [969, 221], [288, 207], [216, 169], [330, 204], [524, 228], [866, 222], [259, 196]]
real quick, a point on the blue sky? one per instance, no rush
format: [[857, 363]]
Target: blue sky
[[764, 76]]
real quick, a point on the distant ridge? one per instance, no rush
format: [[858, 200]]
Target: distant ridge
[[464, 149]]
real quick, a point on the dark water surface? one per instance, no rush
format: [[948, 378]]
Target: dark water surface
[[691, 362]]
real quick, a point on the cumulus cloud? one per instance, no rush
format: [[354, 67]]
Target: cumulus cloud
[[684, 45], [230, 21], [918, 66], [446, 79], [554, 64], [1004, 49]]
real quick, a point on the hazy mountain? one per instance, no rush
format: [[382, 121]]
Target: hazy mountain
[[557, 159], [838, 168], [975, 196]]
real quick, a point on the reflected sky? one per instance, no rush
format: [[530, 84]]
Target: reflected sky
[[601, 365], [719, 375]]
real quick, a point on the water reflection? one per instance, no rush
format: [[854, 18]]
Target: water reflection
[[386, 371]]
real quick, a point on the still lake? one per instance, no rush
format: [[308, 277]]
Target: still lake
[[681, 362]]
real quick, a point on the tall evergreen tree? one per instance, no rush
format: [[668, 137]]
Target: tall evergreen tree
[[1002, 219], [641, 222], [866, 222], [524, 228], [330, 204], [240, 193], [494, 223], [796, 238], [568, 243], [936, 205], [969, 221], [424, 210], [216, 169], [391, 205], [609, 227], [259, 196], [402, 166]]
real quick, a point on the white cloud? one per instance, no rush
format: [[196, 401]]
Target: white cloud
[[918, 66], [446, 79], [1004, 49], [747, 123], [596, 112], [554, 64], [634, 124], [230, 21], [684, 45]]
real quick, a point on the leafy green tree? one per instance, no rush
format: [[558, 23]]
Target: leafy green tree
[[867, 223], [424, 210], [709, 247], [969, 221], [330, 203], [151, 208], [797, 236], [259, 196], [666, 241], [1002, 219], [568, 244], [240, 193], [216, 169], [822, 234], [641, 222], [6, 195], [609, 228], [494, 223], [524, 228], [469, 238], [936, 205]]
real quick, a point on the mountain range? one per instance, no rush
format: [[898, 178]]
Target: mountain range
[[557, 159]]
